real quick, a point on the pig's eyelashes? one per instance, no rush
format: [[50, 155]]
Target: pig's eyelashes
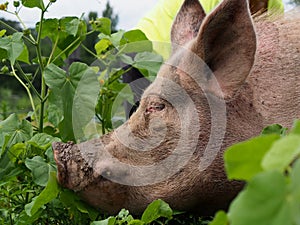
[[155, 108]]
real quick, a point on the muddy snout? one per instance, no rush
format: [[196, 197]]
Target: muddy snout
[[79, 167]]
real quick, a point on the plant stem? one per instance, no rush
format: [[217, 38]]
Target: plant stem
[[25, 27], [43, 84], [53, 50], [26, 88], [28, 81], [14, 30], [66, 49]]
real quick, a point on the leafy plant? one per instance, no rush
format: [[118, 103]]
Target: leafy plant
[[67, 100], [272, 192]]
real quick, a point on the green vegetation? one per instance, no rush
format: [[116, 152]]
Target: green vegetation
[[29, 192]]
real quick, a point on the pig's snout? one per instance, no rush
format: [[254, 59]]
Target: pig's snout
[[61, 152], [73, 171]]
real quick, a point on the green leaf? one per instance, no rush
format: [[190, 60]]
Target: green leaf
[[243, 160], [16, 131], [136, 222], [42, 141], [48, 194], [148, 60], [265, 200], [55, 108], [220, 219], [74, 204], [68, 32], [274, 129], [102, 46], [155, 210], [34, 3], [24, 219], [65, 86], [102, 25], [24, 56], [295, 189], [50, 28], [16, 150], [134, 36], [85, 101], [135, 41], [7, 169], [13, 45], [40, 170], [296, 127], [282, 153], [70, 25], [109, 221], [2, 33]]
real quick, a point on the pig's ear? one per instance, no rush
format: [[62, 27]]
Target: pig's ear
[[187, 23], [227, 43]]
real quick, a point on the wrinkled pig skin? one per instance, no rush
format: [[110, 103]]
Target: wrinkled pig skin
[[256, 65]]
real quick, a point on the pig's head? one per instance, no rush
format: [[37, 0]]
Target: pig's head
[[171, 148]]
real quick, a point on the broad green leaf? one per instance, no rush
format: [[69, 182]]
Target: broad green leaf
[[295, 189], [3, 55], [148, 60], [126, 59], [136, 222], [48, 194], [68, 32], [296, 127], [16, 130], [7, 169], [65, 85], [134, 36], [50, 28], [282, 153], [74, 204], [116, 38], [85, 101], [109, 221], [70, 25], [102, 25], [40, 170], [2, 33], [135, 41], [42, 141], [220, 219], [55, 108], [274, 129], [102, 46], [13, 45], [9, 125], [34, 3], [243, 160], [24, 219], [155, 210], [265, 200], [16, 150], [24, 56]]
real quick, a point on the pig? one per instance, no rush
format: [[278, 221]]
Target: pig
[[227, 77]]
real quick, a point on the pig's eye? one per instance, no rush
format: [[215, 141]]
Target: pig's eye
[[155, 107]]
